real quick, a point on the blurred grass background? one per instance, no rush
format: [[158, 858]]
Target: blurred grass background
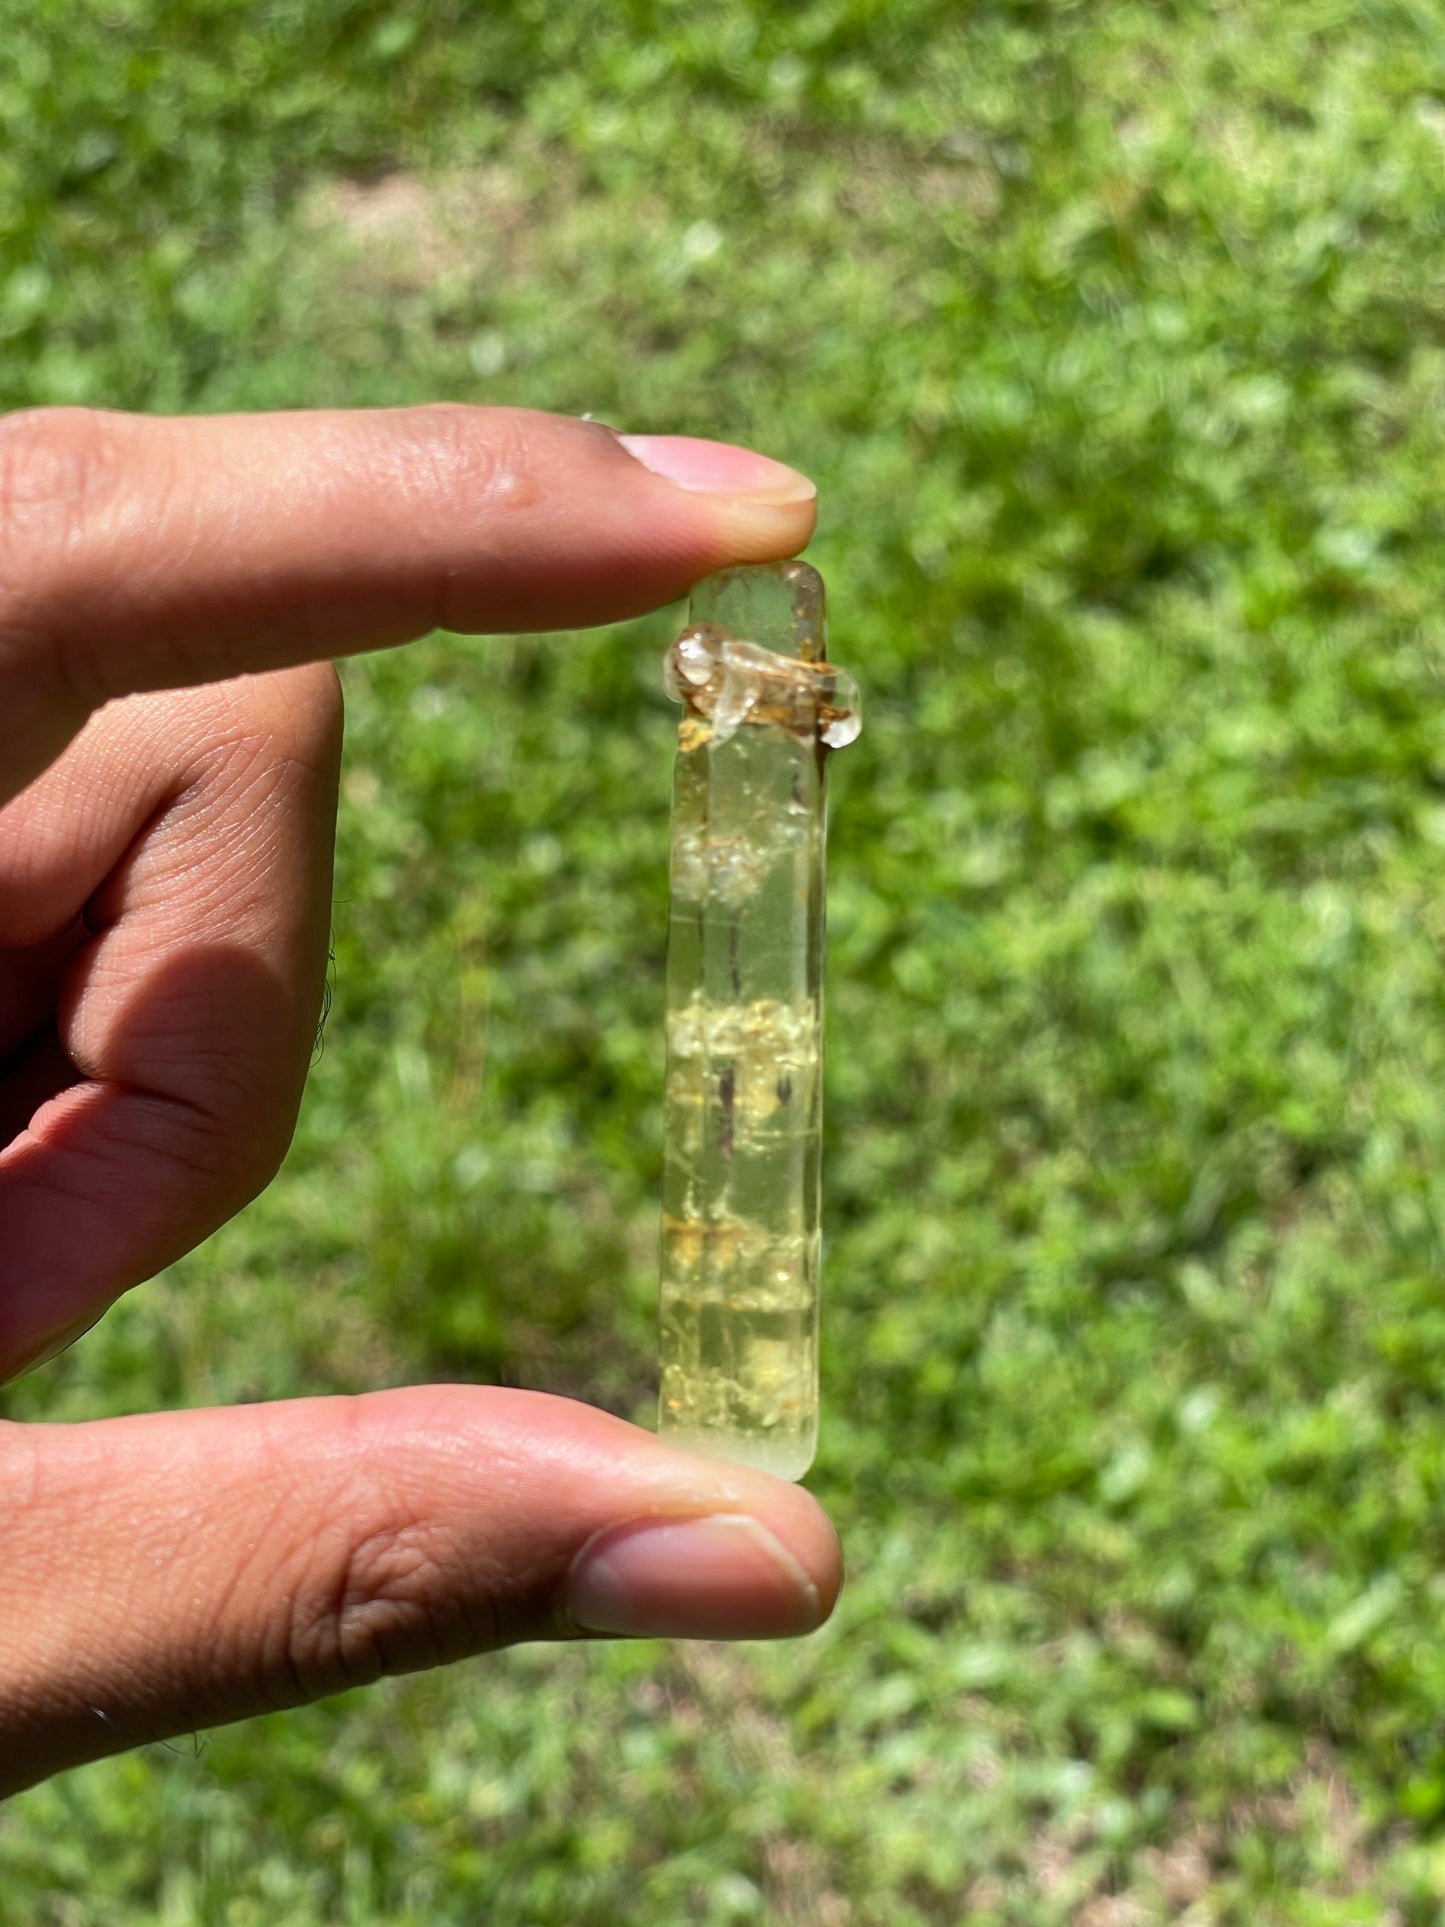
[[1115, 337]]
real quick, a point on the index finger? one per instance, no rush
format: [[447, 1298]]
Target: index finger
[[143, 552]]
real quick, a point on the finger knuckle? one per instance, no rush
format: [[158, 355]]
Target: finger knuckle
[[490, 465], [245, 1145], [387, 1604], [223, 1141], [482, 454], [55, 461], [59, 469], [229, 1148], [240, 1133]]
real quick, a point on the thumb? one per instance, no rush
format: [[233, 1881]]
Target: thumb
[[180, 1570]]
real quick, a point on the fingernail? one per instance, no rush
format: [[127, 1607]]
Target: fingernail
[[718, 468], [723, 1577]]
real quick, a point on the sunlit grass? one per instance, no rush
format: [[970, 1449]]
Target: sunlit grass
[[1115, 340]]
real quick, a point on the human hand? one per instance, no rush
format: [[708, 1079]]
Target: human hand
[[168, 760]]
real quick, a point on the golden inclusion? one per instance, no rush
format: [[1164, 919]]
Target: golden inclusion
[[741, 1243]]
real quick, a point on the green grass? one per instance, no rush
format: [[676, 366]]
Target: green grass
[[1114, 336]]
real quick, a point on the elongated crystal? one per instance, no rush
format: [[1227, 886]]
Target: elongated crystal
[[743, 1110]]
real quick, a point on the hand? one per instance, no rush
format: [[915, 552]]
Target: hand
[[168, 761]]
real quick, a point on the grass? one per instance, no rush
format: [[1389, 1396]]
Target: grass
[[1115, 339]]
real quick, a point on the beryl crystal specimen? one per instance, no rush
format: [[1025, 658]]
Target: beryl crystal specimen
[[741, 1244]]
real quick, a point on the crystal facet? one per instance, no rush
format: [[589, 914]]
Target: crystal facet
[[741, 1184]]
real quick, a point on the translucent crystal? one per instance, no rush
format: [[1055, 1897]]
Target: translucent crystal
[[741, 1184]]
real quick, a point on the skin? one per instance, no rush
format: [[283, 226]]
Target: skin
[[170, 594]]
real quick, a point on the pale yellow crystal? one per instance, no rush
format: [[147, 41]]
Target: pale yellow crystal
[[741, 1189]]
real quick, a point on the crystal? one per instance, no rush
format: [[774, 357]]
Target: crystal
[[741, 1242]]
